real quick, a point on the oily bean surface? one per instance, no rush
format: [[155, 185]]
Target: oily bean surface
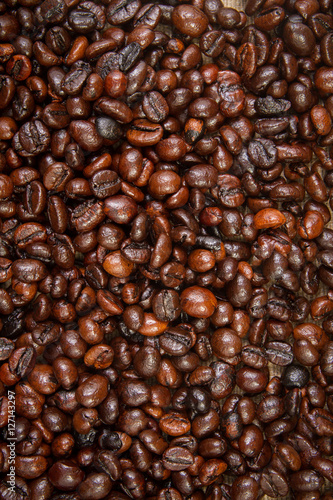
[[166, 250]]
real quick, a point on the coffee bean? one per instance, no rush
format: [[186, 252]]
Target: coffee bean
[[86, 135], [177, 458], [198, 302], [34, 137], [144, 133], [104, 184], [295, 376], [268, 217], [155, 107], [174, 424], [189, 20], [108, 128]]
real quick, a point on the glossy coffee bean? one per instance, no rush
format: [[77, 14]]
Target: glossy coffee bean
[[189, 20], [198, 302]]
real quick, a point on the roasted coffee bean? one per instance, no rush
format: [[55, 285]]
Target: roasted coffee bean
[[295, 376], [9, 27], [108, 128], [34, 137], [30, 467], [254, 356], [74, 80], [92, 392], [198, 302], [87, 216], [279, 353], [166, 305], [189, 20], [86, 135], [144, 133], [29, 270], [164, 182], [299, 37], [104, 183], [305, 481], [177, 341], [177, 458], [155, 107], [226, 343], [65, 475], [251, 380], [274, 483], [262, 153], [201, 176], [268, 217], [244, 487]]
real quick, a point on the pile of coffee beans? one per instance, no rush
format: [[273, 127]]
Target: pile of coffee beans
[[166, 260]]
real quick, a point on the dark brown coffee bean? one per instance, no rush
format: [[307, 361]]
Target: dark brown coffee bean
[[198, 302], [251, 380], [29, 270], [92, 392], [144, 133], [108, 128], [104, 183], [166, 305], [87, 216], [9, 27], [273, 482], [34, 137], [65, 475], [155, 107], [174, 424], [189, 20], [225, 343], [299, 38], [306, 480], [177, 458]]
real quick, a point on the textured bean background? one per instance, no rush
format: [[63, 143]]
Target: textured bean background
[[273, 369]]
